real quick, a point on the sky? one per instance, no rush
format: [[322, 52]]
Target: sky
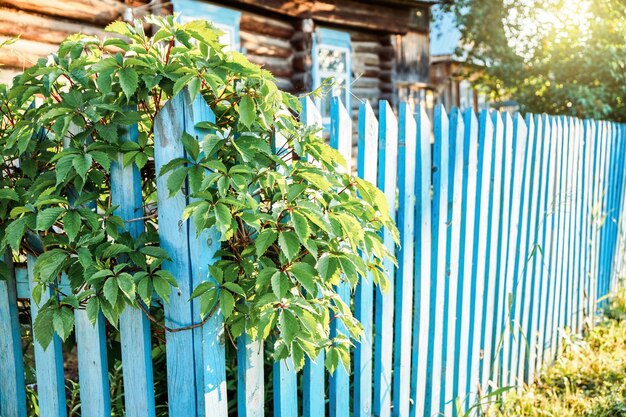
[[444, 36]]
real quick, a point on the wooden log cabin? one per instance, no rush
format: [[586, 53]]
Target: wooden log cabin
[[375, 49]]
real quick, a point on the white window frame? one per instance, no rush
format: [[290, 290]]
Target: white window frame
[[222, 18], [336, 41]]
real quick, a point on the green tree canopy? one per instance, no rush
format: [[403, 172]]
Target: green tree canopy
[[555, 56]]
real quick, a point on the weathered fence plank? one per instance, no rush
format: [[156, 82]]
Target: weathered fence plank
[[423, 258], [492, 278], [455, 221], [364, 294], [48, 362], [313, 381], [12, 388], [384, 311], [470, 172], [405, 274], [441, 169], [482, 227], [340, 139], [135, 333]]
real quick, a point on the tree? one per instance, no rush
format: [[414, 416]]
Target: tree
[[554, 56]]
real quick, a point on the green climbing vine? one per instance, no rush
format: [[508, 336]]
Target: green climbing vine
[[292, 226]]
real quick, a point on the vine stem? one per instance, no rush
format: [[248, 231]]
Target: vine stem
[[177, 329]]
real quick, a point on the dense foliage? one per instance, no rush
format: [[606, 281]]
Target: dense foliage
[[555, 56], [293, 224]]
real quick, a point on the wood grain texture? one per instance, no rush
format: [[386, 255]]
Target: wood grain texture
[[48, 362], [314, 374], [405, 276], [135, 336], [340, 139], [364, 294], [12, 388], [384, 307], [423, 259]]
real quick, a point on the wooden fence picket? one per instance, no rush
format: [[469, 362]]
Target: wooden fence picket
[[455, 222], [441, 170], [482, 239], [492, 278], [383, 318], [135, 336], [48, 362], [313, 381], [405, 274], [367, 160], [340, 139], [12, 388], [503, 243], [423, 264], [464, 299]]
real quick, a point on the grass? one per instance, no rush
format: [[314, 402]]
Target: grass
[[588, 379]]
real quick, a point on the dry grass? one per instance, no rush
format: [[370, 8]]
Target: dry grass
[[589, 378]]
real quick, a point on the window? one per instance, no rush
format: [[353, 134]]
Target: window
[[466, 95], [224, 19], [331, 59]]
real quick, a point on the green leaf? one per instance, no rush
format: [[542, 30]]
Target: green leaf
[[63, 322], [327, 266], [43, 327], [155, 252], [71, 224], [222, 218], [8, 194], [289, 244], [280, 284], [264, 240], [92, 308], [191, 145], [115, 249], [175, 180], [81, 164], [247, 111], [47, 217], [111, 290], [48, 265], [305, 275], [288, 325], [126, 285], [162, 288], [301, 225], [227, 303], [128, 81]]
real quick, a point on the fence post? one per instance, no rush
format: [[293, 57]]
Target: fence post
[[405, 273], [364, 295], [455, 247], [470, 172], [135, 335], [195, 359], [547, 284], [12, 388], [481, 239], [340, 139], [49, 362], [423, 259], [387, 173], [314, 373], [441, 169], [503, 244], [493, 249]]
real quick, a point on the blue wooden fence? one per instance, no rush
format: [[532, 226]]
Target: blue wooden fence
[[511, 231]]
